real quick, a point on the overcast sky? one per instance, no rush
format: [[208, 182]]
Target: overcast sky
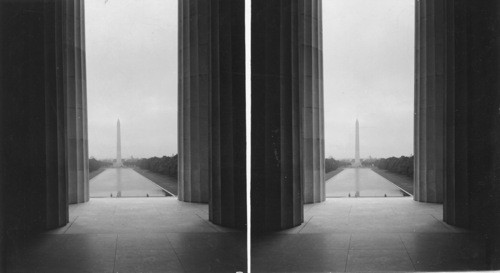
[[368, 49], [132, 75]]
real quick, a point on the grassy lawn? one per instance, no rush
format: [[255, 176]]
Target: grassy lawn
[[332, 173], [96, 172], [402, 181], [164, 181]]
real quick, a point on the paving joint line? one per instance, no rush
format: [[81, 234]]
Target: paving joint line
[[305, 224], [348, 251], [208, 222], [71, 224], [116, 253], [176, 254], [408, 253], [442, 223]]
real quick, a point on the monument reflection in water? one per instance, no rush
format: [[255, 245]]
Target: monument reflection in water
[[123, 182], [120, 181], [360, 182]]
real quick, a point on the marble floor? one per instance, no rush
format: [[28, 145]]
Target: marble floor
[[132, 235], [369, 234], [165, 235]]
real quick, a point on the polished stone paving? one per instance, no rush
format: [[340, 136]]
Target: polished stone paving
[[132, 235], [360, 182], [165, 235], [369, 234], [123, 182]]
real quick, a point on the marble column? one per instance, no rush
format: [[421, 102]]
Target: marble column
[[3, 139], [32, 129], [194, 101], [57, 206], [277, 194], [312, 139], [76, 100], [429, 100], [228, 115], [212, 148], [84, 136], [472, 116], [472, 183]]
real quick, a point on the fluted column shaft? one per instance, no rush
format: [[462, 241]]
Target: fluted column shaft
[[312, 140], [194, 111], [3, 158], [473, 66], [76, 101], [212, 148], [228, 115], [33, 150], [277, 195], [429, 100], [57, 198], [457, 125], [472, 185]]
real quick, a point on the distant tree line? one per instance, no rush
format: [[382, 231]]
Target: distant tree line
[[168, 164], [331, 164], [402, 165], [165, 165], [95, 164]]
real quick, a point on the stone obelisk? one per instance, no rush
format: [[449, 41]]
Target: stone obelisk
[[118, 163], [357, 161]]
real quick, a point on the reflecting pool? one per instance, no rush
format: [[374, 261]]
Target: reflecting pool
[[123, 182], [361, 182]]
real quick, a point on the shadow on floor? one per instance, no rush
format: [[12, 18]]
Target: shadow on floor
[[369, 234], [132, 235]]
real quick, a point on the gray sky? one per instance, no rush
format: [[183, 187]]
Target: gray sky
[[368, 49], [132, 75]]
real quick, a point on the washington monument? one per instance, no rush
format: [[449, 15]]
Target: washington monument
[[118, 163], [357, 162]]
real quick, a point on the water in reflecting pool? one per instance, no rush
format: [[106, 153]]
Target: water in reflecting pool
[[361, 182], [123, 182]]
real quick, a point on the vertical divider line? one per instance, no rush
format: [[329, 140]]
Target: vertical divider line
[[248, 102]]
